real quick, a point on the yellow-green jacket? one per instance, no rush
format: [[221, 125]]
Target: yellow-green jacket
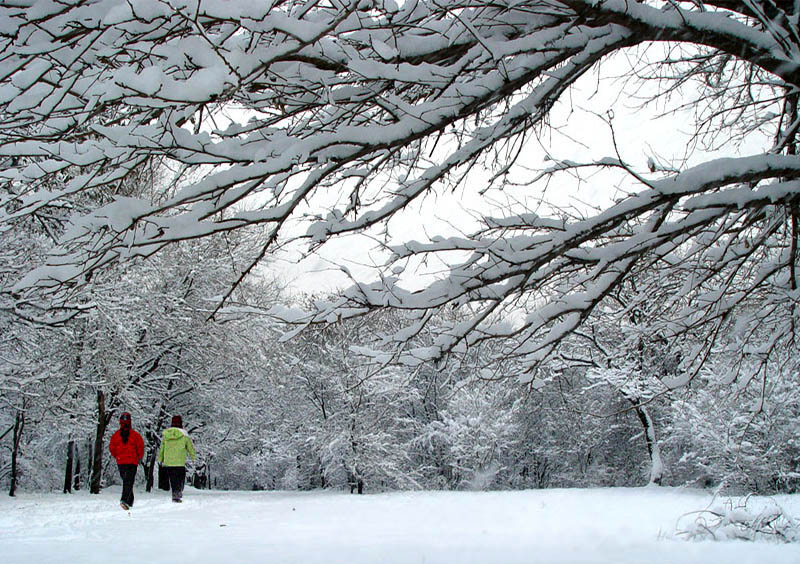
[[175, 447]]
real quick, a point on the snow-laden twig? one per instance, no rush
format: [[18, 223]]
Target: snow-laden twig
[[748, 519]]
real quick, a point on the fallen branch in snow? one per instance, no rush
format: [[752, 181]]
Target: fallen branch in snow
[[740, 520]]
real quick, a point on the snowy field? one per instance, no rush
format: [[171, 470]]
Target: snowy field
[[619, 526]]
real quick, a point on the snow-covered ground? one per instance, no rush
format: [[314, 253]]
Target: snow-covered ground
[[619, 526]]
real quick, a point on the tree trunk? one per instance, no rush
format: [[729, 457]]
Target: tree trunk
[[356, 481], [653, 451], [152, 455], [89, 459], [103, 418], [19, 424], [70, 463], [656, 462], [77, 483], [154, 443], [149, 467]]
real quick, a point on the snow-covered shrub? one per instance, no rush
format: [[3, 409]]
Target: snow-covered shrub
[[737, 443], [748, 518]]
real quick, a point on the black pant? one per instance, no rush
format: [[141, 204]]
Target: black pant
[[177, 477], [128, 474]]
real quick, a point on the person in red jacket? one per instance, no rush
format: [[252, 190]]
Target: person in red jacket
[[127, 447]]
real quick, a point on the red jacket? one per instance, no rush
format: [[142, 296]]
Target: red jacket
[[127, 453]]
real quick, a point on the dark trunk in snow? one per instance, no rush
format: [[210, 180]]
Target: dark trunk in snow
[[103, 417], [152, 436], [149, 467], [153, 445], [656, 463], [70, 465], [357, 486], [19, 424], [77, 482]]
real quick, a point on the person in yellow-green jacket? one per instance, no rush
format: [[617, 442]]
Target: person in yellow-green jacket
[[175, 447]]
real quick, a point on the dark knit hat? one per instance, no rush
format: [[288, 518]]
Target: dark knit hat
[[177, 421]]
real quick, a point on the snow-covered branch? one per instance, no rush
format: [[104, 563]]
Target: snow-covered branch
[[340, 115]]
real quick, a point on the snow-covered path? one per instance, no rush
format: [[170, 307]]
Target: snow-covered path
[[619, 526]]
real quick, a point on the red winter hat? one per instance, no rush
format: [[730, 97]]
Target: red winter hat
[[177, 421], [125, 419]]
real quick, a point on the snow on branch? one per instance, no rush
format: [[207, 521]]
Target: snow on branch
[[340, 116], [746, 519]]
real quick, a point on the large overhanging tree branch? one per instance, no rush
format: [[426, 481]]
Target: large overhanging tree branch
[[273, 111]]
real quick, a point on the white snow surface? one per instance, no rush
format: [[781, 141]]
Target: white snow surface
[[586, 526]]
